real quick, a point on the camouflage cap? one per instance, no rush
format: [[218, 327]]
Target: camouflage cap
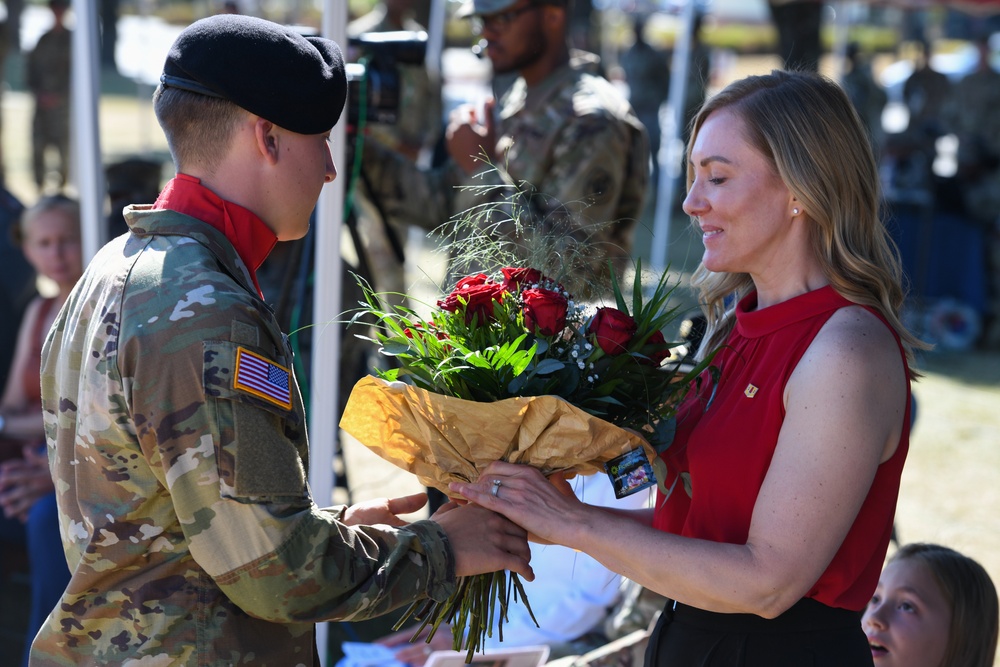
[[270, 70], [487, 7]]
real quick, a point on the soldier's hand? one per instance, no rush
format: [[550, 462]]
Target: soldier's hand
[[471, 138], [384, 510], [483, 541]]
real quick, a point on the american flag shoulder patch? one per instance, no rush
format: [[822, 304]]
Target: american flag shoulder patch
[[263, 378]]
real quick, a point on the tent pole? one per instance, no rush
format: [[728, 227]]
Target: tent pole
[[671, 148], [325, 372], [88, 171]]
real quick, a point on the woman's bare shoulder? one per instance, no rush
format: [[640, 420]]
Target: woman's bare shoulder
[[854, 333]]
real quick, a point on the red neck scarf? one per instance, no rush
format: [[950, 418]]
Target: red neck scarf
[[252, 239]]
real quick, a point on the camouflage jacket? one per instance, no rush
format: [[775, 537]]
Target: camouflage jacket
[[177, 442], [573, 165], [48, 66]]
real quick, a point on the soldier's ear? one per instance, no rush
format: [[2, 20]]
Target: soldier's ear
[[266, 138]]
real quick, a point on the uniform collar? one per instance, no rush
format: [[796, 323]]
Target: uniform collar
[[252, 239]]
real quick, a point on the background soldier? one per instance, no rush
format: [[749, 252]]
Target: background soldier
[[562, 137], [48, 79], [865, 93], [647, 72], [971, 114]]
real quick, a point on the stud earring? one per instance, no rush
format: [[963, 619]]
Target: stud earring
[[795, 211]]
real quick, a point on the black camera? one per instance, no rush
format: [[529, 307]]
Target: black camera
[[373, 78]]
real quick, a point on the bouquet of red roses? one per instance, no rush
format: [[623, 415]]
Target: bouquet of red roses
[[510, 367]]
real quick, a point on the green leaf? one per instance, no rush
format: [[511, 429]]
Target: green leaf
[[547, 366], [617, 290], [637, 289], [392, 348], [663, 434]]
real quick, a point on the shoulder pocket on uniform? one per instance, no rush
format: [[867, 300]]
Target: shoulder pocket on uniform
[[257, 448]]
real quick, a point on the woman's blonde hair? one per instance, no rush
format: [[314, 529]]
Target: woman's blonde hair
[[805, 126], [975, 612]]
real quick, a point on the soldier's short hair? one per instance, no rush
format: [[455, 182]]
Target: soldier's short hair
[[198, 128]]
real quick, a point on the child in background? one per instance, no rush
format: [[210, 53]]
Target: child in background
[[49, 236], [933, 607]]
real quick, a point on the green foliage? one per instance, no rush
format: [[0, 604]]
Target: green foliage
[[484, 343], [501, 358]]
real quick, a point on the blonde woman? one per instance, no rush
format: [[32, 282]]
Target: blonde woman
[[794, 459]]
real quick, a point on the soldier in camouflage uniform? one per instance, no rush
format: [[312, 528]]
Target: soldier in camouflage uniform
[[565, 142], [867, 96], [48, 78], [176, 431]]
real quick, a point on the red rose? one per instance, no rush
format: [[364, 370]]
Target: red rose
[[544, 311], [612, 329], [478, 294], [656, 349], [426, 327], [515, 279]]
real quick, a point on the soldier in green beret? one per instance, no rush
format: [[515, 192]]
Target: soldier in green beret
[[176, 430]]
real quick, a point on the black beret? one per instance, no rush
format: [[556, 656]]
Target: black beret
[[270, 70]]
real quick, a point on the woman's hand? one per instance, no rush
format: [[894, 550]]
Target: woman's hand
[[546, 508]]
